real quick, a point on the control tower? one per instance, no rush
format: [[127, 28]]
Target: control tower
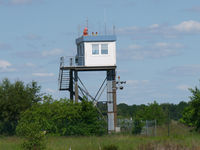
[[94, 53]]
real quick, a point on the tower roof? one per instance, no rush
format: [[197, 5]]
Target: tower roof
[[98, 38]]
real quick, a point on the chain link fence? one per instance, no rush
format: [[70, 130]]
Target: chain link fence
[[148, 126]]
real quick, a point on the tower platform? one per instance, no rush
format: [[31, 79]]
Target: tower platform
[[90, 68]]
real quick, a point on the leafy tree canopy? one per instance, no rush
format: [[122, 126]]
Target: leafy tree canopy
[[152, 112], [15, 98], [191, 114]]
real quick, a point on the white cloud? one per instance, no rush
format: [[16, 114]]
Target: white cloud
[[50, 90], [136, 83], [194, 9], [43, 74], [135, 46], [53, 52], [161, 30], [153, 51], [127, 30], [183, 87], [30, 64], [144, 32], [185, 70], [162, 45], [4, 64], [132, 82], [188, 26], [32, 37], [17, 2], [168, 45], [153, 26]]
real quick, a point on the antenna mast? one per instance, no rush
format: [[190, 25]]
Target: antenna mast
[[105, 21], [113, 29], [79, 30], [87, 22]]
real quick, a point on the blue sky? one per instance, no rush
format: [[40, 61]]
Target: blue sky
[[157, 48]]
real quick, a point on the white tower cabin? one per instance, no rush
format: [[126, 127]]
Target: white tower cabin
[[96, 50]]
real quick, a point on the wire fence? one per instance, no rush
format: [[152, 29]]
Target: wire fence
[[148, 126]]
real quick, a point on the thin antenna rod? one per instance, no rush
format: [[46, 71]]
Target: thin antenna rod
[[87, 22], [105, 21], [79, 30], [113, 29]]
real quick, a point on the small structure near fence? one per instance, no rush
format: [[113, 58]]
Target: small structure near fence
[[148, 126]]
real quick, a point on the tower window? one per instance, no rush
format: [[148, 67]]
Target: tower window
[[104, 48], [95, 49]]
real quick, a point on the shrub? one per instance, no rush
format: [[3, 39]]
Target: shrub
[[34, 137], [64, 118], [191, 114], [137, 126], [151, 112], [110, 147]]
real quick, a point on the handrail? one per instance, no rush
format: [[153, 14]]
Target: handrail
[[66, 61]]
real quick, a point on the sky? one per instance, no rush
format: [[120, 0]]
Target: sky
[[158, 44]]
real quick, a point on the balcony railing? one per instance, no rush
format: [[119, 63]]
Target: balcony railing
[[71, 61]]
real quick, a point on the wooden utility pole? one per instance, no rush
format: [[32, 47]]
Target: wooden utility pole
[[114, 100]]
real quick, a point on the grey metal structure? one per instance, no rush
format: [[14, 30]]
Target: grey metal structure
[[69, 81], [111, 100], [94, 53]]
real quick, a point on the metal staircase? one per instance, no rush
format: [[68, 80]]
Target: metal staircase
[[64, 80]]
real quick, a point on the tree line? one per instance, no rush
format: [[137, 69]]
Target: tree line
[[152, 111], [24, 110], [22, 106]]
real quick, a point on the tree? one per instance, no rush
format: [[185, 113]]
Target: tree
[[15, 98], [137, 126], [174, 110], [151, 112], [191, 115], [123, 110]]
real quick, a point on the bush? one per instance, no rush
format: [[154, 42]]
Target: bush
[[151, 112], [110, 147], [64, 118], [191, 114], [137, 126], [34, 137]]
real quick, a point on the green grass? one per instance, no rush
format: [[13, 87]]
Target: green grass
[[180, 139], [10, 143], [123, 142]]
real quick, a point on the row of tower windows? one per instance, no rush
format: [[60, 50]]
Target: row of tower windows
[[99, 47]]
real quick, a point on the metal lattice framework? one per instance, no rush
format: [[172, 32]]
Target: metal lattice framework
[[68, 81]]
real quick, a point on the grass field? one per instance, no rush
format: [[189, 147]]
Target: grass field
[[180, 139]]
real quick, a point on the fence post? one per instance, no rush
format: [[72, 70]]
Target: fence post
[[146, 128], [154, 127]]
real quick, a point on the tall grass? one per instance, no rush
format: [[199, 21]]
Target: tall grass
[[180, 139], [122, 142]]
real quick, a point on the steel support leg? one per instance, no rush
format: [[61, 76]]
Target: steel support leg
[[76, 86], [111, 101], [71, 85]]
